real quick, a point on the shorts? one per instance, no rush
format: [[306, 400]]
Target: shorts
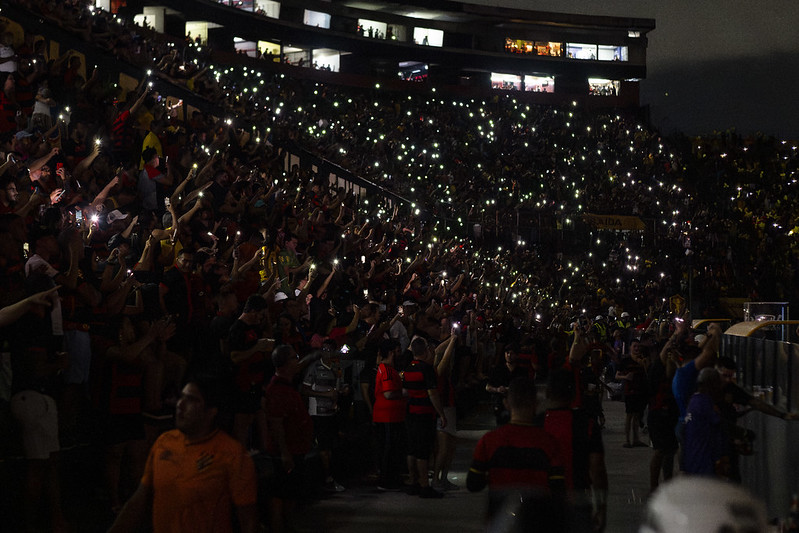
[[421, 435], [325, 430], [661, 430], [635, 404], [38, 416], [79, 346], [452, 422]]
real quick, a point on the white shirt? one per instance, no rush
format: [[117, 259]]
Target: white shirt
[[8, 66]]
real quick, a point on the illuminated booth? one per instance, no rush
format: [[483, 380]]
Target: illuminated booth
[[554, 55]]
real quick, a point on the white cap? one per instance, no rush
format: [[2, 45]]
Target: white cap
[[115, 215], [702, 505], [599, 317], [625, 314], [280, 296]]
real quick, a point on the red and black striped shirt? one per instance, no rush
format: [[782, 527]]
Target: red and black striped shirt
[[516, 456], [419, 378]]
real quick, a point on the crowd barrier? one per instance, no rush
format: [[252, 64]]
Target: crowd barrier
[[767, 366], [769, 369]]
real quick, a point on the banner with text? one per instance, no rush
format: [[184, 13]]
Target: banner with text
[[618, 222]]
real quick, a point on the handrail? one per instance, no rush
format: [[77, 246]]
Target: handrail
[[342, 172], [697, 322], [747, 328]]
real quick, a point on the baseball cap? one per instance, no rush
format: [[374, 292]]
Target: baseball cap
[[115, 215], [22, 134], [280, 296]]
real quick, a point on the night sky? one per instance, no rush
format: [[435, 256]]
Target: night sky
[[710, 64]]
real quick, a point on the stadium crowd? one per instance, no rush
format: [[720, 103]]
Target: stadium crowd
[[143, 242]]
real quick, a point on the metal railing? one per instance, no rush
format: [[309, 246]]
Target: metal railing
[[769, 368]]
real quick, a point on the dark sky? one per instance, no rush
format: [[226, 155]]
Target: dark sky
[[711, 64]]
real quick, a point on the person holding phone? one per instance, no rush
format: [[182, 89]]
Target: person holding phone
[[38, 365], [150, 178]]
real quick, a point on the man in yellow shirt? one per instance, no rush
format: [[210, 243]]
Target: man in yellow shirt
[[195, 474]]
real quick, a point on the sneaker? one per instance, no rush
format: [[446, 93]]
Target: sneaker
[[429, 493], [445, 485], [333, 486], [412, 490]]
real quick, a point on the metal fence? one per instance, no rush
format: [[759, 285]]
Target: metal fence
[[768, 368]]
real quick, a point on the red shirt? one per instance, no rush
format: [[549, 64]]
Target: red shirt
[[579, 437], [384, 410], [283, 401]]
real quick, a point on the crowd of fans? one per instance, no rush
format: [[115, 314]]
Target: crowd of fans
[[180, 241]]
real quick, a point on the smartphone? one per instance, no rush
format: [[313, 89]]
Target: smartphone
[[59, 166], [78, 217]]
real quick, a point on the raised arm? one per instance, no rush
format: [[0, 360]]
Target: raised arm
[[579, 346], [710, 347], [13, 312], [443, 362]]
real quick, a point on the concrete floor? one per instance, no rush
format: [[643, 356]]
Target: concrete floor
[[362, 509]]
